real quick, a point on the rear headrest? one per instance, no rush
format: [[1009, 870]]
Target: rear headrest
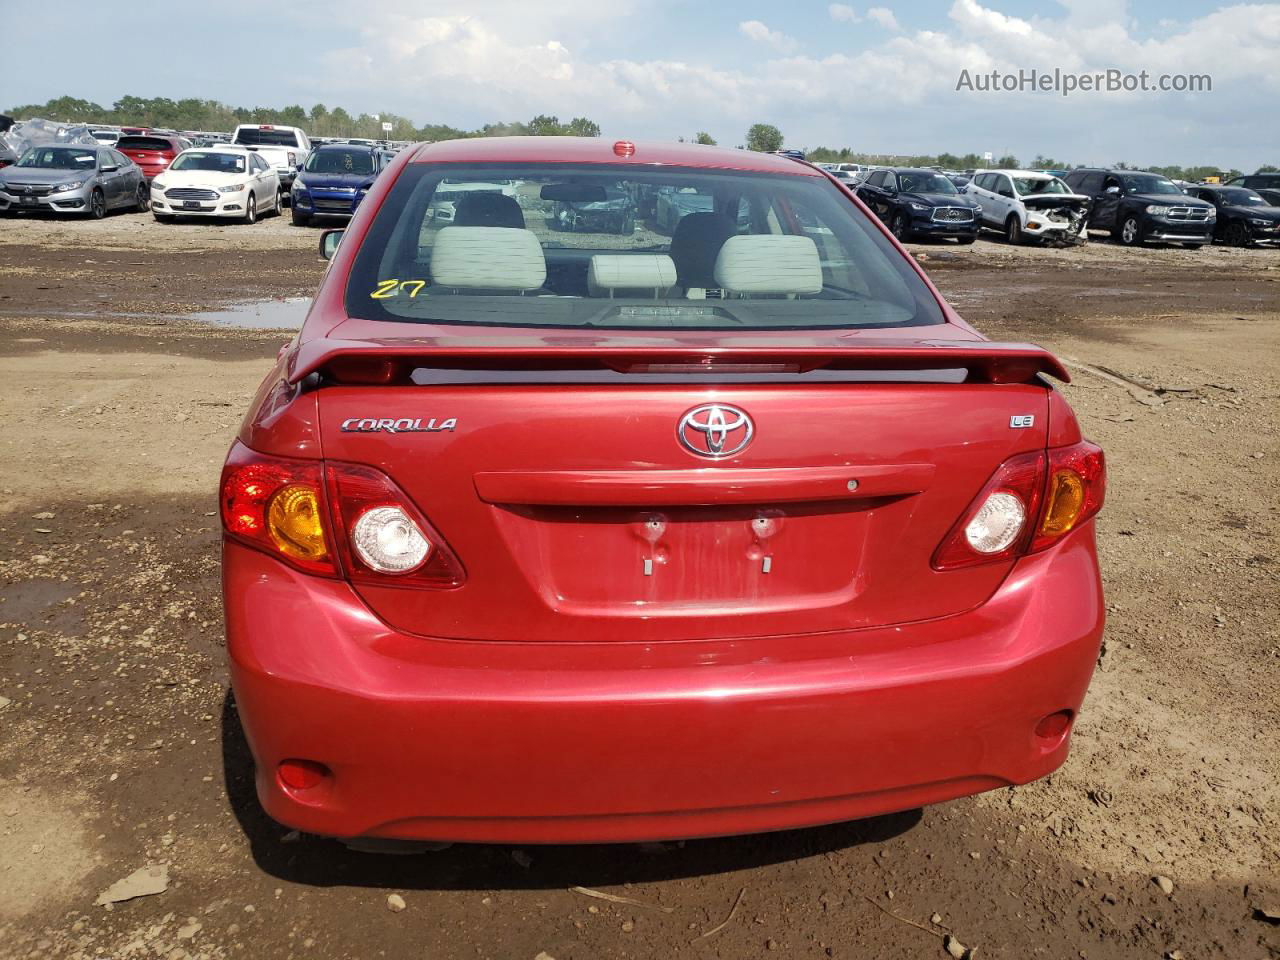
[[488, 210], [769, 264], [652, 273], [487, 258]]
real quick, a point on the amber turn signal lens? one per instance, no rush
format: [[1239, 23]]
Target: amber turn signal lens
[[295, 524], [1066, 498]]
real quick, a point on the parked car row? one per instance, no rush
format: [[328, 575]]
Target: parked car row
[[1133, 206], [261, 170]]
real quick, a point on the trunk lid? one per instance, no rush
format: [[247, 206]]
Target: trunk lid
[[584, 506]]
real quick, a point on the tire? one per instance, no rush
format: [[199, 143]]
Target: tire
[[900, 228], [1131, 231], [97, 205], [250, 210], [1013, 230], [143, 200], [300, 219], [1238, 235]]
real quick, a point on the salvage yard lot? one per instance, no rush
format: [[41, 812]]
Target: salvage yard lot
[[121, 748]]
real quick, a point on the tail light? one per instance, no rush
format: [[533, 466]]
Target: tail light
[[277, 504], [384, 538], [332, 518], [1031, 501]]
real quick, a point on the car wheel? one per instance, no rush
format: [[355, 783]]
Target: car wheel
[[1130, 231], [1013, 229], [251, 209], [97, 205], [901, 229], [143, 200], [1238, 235], [300, 219]]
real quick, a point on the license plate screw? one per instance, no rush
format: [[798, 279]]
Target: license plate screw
[[852, 485]]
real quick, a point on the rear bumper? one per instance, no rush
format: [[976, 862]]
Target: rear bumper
[[576, 742]]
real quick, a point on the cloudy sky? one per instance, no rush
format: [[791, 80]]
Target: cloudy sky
[[879, 77]]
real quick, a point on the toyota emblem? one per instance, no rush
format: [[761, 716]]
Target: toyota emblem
[[715, 430]]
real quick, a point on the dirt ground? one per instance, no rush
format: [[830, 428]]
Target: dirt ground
[[120, 748]]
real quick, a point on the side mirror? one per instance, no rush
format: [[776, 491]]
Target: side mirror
[[329, 241], [300, 166], [109, 168], [1112, 191]]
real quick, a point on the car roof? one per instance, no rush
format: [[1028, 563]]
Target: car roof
[[333, 147], [601, 150], [1021, 173], [912, 170]]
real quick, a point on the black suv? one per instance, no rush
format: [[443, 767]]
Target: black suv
[[920, 203], [1244, 217], [1138, 207], [1256, 181]]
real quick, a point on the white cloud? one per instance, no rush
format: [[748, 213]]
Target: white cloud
[[844, 13], [883, 16], [755, 30], [466, 68]]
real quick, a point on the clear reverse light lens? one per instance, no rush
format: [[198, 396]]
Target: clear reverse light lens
[[996, 524], [388, 541]]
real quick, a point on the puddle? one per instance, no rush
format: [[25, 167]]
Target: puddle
[[283, 314]]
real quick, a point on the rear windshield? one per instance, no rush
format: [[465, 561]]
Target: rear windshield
[[143, 143], [623, 246], [267, 138]]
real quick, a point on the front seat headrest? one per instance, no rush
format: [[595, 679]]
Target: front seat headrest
[[488, 210], [695, 245]]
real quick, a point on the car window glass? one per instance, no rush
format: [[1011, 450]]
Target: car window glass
[[672, 229]]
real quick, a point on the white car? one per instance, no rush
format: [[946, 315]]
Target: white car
[[216, 182], [1026, 205]]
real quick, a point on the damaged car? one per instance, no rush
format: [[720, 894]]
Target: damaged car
[[1028, 206]]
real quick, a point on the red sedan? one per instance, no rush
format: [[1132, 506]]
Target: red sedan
[[151, 152], [545, 532]]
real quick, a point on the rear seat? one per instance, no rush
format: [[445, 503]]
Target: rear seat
[[769, 265], [631, 274], [488, 259]]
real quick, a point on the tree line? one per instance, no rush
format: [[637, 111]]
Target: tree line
[[320, 121]]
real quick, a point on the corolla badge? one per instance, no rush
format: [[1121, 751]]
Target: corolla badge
[[401, 425], [715, 430]]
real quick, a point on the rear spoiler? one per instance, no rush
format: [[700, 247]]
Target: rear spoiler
[[393, 361]]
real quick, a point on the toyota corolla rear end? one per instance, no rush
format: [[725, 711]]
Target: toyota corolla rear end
[[547, 536]]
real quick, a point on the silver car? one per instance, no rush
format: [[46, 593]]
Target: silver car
[[73, 178]]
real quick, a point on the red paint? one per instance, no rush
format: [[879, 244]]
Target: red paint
[[614, 639], [153, 162]]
